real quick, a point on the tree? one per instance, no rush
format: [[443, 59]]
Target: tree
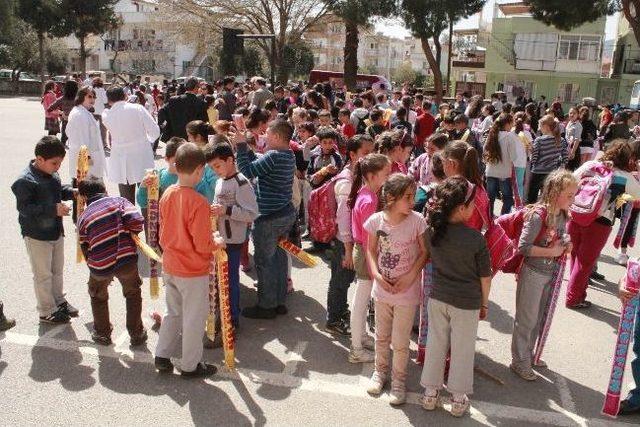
[[568, 14], [298, 58], [427, 19], [83, 18], [43, 16], [355, 14], [404, 73], [287, 19]]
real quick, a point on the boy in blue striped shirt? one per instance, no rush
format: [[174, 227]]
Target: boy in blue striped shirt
[[274, 187]]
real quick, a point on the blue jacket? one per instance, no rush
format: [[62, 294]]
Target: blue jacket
[[37, 195]]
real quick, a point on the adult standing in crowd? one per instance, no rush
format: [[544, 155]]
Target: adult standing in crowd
[[227, 105], [98, 107], [65, 104], [133, 132], [261, 94], [183, 109], [51, 123]]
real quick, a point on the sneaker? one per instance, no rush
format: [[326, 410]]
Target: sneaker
[[368, 342], [376, 384], [458, 409], [55, 318], [524, 373], [100, 339], [622, 259], [257, 312], [163, 365], [540, 364], [338, 327], [398, 396], [346, 316], [202, 370], [70, 310], [580, 305], [361, 356], [627, 408], [139, 339], [430, 402]]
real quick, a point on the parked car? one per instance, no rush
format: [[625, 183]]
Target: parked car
[[5, 74]]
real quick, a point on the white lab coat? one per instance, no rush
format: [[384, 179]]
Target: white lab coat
[[101, 100], [133, 132], [83, 129]]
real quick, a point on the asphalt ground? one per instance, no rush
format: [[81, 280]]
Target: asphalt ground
[[289, 371]]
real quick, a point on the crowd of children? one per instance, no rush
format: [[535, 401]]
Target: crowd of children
[[409, 197]]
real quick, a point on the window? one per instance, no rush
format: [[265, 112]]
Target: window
[[568, 92], [581, 48], [186, 64]]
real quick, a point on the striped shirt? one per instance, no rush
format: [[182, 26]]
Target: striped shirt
[[547, 156], [274, 172], [105, 229]]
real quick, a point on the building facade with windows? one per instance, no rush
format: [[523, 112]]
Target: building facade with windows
[[525, 56], [139, 46]]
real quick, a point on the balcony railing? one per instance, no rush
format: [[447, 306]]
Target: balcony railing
[[631, 66], [476, 61]]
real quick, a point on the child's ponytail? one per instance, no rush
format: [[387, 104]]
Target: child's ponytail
[[448, 196], [492, 151], [369, 164], [550, 121]]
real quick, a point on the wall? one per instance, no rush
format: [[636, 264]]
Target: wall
[[8, 87]]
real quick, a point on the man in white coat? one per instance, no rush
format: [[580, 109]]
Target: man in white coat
[[133, 131]]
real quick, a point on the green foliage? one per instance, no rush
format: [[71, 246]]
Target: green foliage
[[42, 15], [429, 18], [252, 62], [361, 11], [84, 17], [404, 73], [298, 59], [568, 14]]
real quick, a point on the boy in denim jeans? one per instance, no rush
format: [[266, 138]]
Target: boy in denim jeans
[[274, 175], [39, 196]]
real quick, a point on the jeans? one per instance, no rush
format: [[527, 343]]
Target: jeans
[[502, 185], [271, 260], [634, 395], [535, 185], [339, 283], [233, 254]]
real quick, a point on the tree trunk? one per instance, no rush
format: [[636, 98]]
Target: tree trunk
[[41, 54], [435, 67], [449, 57], [634, 21], [351, 42], [282, 71], [83, 55]]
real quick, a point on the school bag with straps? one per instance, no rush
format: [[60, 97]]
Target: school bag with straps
[[513, 224], [323, 226], [592, 192]]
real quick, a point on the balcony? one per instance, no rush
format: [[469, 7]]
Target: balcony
[[631, 66], [469, 60]]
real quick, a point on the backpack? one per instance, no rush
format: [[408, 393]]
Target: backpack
[[362, 126], [592, 193], [513, 224], [322, 208]]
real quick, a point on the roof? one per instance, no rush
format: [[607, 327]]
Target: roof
[[514, 8]]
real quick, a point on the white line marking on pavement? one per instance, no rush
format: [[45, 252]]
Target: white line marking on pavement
[[120, 340], [291, 366], [565, 394], [54, 331], [480, 410]]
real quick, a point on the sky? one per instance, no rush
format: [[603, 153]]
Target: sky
[[395, 28]]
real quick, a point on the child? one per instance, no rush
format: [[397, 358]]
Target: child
[[369, 174], [236, 208], [39, 194], [198, 132], [631, 405], [104, 231], [391, 144], [346, 127], [342, 273], [549, 152], [327, 163], [543, 241], [500, 153], [420, 168], [460, 294], [274, 173], [188, 244], [324, 116], [395, 254], [377, 124], [306, 138]]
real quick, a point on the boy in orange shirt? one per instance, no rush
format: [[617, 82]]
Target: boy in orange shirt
[[188, 244]]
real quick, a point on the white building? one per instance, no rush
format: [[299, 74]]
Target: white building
[[138, 46]]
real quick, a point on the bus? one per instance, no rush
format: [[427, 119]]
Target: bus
[[363, 81], [635, 96]]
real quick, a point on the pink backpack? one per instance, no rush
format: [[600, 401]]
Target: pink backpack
[[592, 193], [512, 224], [323, 226]]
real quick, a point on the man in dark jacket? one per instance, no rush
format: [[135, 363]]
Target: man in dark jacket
[[182, 109], [227, 105]]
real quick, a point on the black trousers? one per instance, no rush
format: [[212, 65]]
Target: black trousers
[[535, 185], [128, 191]]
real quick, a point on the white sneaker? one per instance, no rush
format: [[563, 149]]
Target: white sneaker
[[398, 396], [458, 409], [368, 342], [360, 355], [622, 258], [430, 402], [376, 384]]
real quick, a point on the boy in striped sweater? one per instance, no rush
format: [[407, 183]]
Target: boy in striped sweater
[[104, 230], [274, 186]]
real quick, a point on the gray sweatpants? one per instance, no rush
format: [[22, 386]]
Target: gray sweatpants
[[455, 327], [187, 309], [534, 290], [47, 266]]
